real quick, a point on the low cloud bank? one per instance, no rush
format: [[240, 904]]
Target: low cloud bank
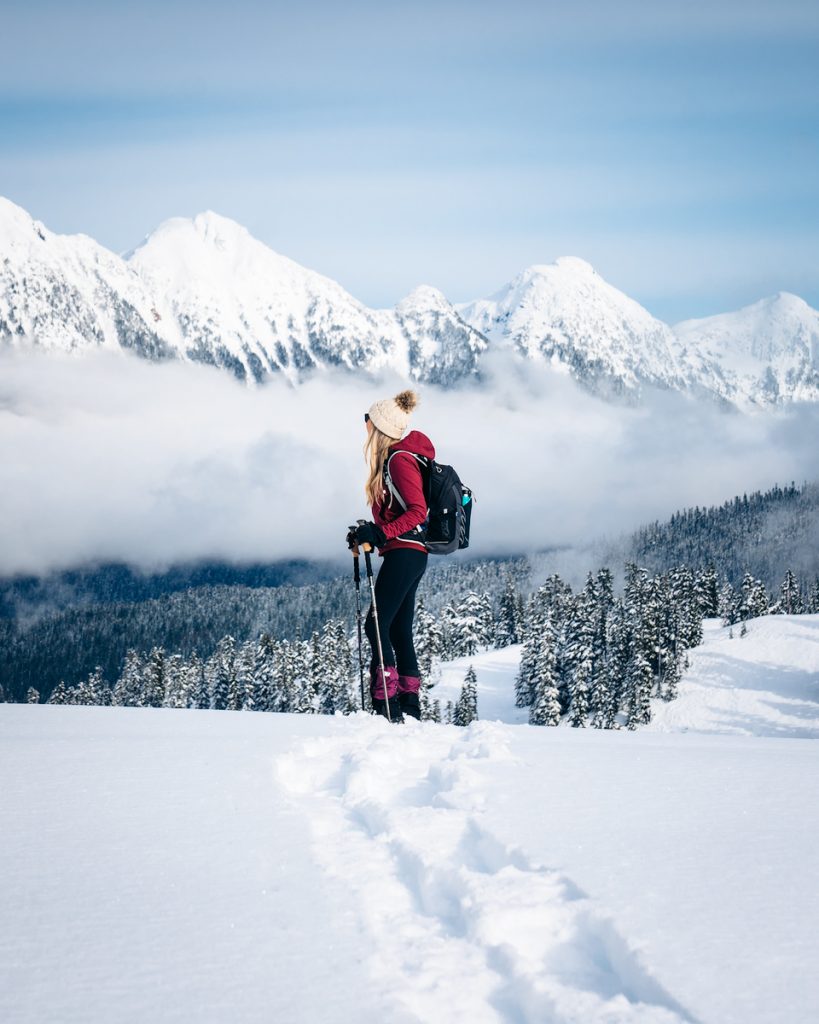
[[107, 457]]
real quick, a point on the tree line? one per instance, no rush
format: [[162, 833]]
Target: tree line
[[589, 658]]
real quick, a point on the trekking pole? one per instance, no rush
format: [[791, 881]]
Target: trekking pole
[[368, 562], [357, 579]]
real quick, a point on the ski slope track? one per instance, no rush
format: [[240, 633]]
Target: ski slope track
[[458, 919]]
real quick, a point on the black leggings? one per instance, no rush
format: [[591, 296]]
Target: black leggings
[[395, 587]]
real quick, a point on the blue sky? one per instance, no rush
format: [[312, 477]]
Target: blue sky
[[674, 146]]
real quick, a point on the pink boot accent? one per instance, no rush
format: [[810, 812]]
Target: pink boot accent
[[390, 677], [409, 684]]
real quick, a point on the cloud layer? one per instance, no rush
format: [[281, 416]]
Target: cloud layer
[[106, 457]]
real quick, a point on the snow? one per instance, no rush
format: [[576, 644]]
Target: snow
[[175, 865], [151, 871], [203, 289], [567, 313], [763, 684], [768, 351]]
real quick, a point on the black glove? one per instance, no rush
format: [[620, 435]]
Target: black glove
[[368, 533]]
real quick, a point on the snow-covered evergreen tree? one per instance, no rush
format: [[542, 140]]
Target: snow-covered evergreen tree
[[153, 687], [175, 696], [59, 695], [545, 708], [220, 671], [471, 625], [128, 688], [200, 691], [242, 683], [259, 692], [509, 625], [638, 685], [753, 598], [466, 707], [335, 683], [728, 604], [790, 595], [707, 592], [428, 637]]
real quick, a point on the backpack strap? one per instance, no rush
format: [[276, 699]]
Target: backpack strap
[[388, 479]]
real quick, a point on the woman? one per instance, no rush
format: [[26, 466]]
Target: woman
[[399, 511]]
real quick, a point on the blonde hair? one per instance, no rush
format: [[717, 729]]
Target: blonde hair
[[375, 453]]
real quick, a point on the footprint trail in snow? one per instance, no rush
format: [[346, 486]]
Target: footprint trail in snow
[[464, 929]]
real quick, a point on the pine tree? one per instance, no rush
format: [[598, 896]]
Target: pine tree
[[200, 691], [242, 682], [620, 646], [174, 692], [260, 692], [508, 627], [790, 595], [471, 625], [428, 637], [128, 688], [707, 591], [639, 680], [153, 689], [578, 652], [335, 684], [466, 707], [545, 709], [602, 685], [59, 695], [220, 670], [32, 696], [728, 605], [301, 681], [527, 669]]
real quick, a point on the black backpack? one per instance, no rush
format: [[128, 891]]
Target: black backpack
[[449, 504]]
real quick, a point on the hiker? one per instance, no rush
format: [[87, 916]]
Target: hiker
[[399, 510]]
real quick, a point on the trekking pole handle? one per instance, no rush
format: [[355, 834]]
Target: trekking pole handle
[[366, 548]]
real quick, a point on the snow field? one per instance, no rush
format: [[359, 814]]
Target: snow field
[[458, 919], [160, 865], [763, 684], [151, 872]]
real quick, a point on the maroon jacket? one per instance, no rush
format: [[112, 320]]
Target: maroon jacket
[[405, 473]]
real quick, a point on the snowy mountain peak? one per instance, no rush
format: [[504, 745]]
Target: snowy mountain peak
[[206, 231], [566, 314], [18, 226], [765, 353], [204, 289], [424, 296], [571, 264]]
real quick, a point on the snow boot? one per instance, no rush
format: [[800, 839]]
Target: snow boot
[[408, 688], [384, 688], [410, 704], [380, 708]]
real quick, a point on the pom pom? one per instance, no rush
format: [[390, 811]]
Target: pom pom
[[406, 401]]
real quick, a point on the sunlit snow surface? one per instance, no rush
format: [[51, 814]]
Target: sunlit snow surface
[[211, 866]]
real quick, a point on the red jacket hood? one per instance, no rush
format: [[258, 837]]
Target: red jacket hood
[[415, 442]]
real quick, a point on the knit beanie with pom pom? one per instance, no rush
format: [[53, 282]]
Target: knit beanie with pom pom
[[390, 415]]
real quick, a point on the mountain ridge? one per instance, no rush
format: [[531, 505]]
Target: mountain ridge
[[203, 289]]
